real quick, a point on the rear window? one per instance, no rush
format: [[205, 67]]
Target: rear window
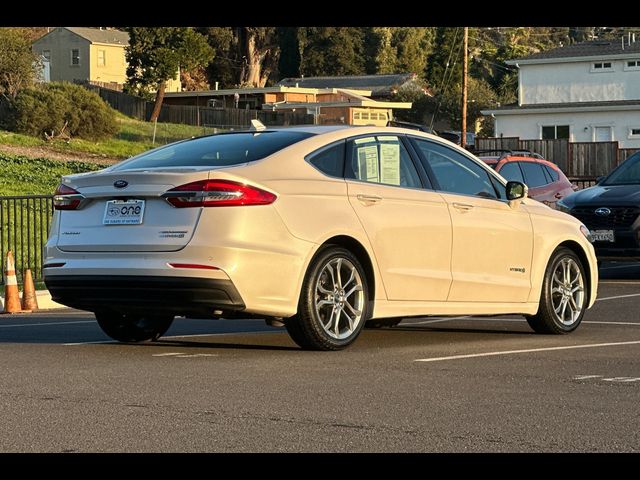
[[221, 150]]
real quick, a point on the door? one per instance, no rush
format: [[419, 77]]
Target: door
[[408, 226], [603, 134], [492, 242]]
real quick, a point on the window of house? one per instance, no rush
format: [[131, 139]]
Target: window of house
[[75, 56], [381, 159], [356, 116], [47, 55], [364, 116], [601, 67], [555, 132], [634, 132], [632, 65], [102, 58]]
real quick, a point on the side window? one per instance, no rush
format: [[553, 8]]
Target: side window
[[552, 173], [329, 161], [381, 159], [511, 171], [455, 172], [533, 174]]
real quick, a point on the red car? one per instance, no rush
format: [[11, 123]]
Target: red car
[[546, 182]]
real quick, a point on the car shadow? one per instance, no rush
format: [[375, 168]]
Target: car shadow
[[215, 345]]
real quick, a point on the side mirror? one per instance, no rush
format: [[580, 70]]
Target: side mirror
[[516, 190]]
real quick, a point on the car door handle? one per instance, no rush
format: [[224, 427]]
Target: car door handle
[[369, 198], [462, 206]]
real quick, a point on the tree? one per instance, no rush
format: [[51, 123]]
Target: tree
[[260, 52], [413, 45], [16, 61], [155, 54], [332, 51], [384, 54], [289, 61], [480, 96]]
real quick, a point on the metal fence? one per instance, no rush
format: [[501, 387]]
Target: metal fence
[[24, 228]]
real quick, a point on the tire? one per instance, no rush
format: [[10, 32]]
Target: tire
[[563, 299], [382, 322], [132, 327], [324, 298]]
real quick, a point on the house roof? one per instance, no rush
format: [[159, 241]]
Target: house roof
[[375, 83], [256, 91], [567, 106], [96, 35], [580, 51]]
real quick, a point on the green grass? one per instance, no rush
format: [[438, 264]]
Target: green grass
[[36, 176], [132, 138]]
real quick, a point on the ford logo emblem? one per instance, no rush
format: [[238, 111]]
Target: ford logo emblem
[[603, 211], [120, 183]]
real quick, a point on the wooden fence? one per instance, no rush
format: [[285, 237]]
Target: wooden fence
[[575, 159], [229, 118]]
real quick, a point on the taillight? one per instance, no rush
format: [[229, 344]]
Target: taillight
[[66, 198], [217, 193]]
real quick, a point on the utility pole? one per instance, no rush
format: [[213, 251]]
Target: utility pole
[[465, 74]]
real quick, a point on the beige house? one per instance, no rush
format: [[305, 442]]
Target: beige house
[[87, 54], [329, 106]]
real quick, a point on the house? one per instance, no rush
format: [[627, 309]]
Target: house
[[586, 92], [81, 54], [328, 105], [380, 86]]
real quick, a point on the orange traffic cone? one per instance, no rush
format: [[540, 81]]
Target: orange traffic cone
[[29, 299], [11, 295]]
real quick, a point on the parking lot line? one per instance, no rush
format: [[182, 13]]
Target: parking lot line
[[530, 350], [618, 296], [39, 324]]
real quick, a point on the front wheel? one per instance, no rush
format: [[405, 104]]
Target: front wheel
[[563, 299], [132, 327], [334, 303]]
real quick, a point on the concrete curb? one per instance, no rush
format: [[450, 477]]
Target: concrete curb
[[44, 301]]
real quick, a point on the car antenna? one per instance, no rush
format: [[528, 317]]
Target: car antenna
[[257, 126]]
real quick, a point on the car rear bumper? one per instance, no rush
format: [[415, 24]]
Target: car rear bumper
[[130, 293]]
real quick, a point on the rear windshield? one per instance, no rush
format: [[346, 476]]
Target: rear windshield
[[221, 150]]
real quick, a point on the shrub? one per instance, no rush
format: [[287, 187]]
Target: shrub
[[48, 107]]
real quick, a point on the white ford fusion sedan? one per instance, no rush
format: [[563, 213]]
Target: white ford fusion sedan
[[319, 228]]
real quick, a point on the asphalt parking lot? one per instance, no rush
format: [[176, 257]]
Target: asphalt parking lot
[[429, 385]]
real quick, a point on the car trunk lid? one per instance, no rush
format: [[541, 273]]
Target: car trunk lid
[[162, 227]]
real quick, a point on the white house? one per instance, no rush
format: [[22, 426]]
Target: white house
[[586, 92]]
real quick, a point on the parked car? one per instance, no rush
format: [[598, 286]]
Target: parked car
[[409, 125], [456, 137], [611, 211], [319, 228], [546, 182]]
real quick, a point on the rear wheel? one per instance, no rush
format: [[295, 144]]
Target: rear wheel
[[133, 327], [334, 303], [564, 295]]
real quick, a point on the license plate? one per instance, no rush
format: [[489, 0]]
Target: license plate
[[603, 235], [123, 212]]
